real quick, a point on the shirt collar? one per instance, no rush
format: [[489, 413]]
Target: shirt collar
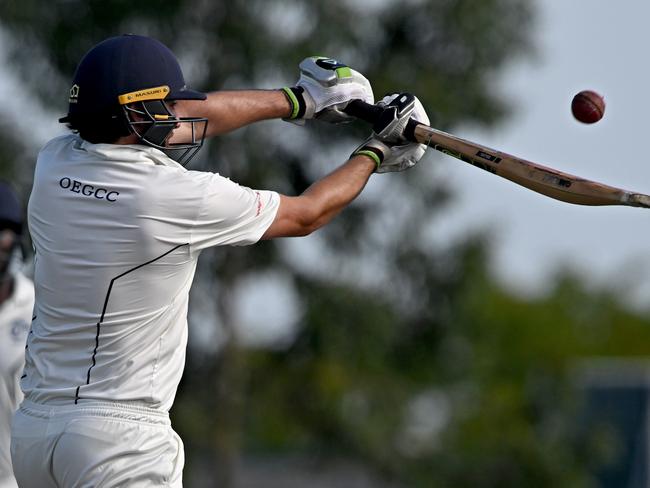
[[135, 153]]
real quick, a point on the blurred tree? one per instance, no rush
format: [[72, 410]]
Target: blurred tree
[[409, 359], [8, 155]]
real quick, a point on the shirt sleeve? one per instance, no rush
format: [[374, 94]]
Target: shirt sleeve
[[231, 214]]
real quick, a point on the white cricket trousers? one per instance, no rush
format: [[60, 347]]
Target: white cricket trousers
[[94, 445]]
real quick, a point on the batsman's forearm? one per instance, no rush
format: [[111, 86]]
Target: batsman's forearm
[[333, 193], [232, 109], [322, 201]]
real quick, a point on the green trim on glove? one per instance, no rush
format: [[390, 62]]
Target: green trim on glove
[[375, 150], [371, 154], [293, 100], [343, 72]]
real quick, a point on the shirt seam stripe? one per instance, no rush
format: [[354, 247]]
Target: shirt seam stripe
[[101, 319]]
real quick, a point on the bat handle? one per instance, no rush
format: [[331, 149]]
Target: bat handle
[[364, 111], [373, 113]]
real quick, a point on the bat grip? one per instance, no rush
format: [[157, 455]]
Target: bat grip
[[373, 113]]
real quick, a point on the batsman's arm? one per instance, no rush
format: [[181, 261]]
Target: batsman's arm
[[322, 201], [231, 109]]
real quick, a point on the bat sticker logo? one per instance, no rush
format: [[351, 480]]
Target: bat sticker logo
[[489, 157], [557, 181], [448, 152], [480, 164], [462, 157]]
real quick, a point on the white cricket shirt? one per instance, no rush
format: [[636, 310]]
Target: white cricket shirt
[[117, 231], [15, 316]]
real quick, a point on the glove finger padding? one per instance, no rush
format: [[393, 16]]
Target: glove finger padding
[[396, 114], [353, 87], [404, 106], [324, 89], [387, 146], [402, 157]]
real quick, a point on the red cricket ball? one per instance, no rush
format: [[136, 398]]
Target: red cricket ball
[[588, 106]]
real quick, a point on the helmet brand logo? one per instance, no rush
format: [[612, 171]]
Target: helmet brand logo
[[156, 93], [74, 94]]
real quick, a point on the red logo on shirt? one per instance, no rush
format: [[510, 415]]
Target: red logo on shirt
[[259, 204]]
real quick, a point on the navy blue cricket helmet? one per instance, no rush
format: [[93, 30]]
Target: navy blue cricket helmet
[[135, 77]]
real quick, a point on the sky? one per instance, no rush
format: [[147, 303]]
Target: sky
[[598, 45]]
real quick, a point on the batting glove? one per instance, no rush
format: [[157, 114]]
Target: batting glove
[[324, 89], [387, 146]]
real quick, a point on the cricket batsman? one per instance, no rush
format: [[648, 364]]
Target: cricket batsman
[[118, 224], [16, 304]]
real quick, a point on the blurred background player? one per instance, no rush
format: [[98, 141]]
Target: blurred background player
[[16, 304]]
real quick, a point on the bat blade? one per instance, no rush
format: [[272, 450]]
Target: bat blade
[[542, 179]]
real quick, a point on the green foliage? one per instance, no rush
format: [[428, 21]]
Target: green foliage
[[7, 161], [499, 369]]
